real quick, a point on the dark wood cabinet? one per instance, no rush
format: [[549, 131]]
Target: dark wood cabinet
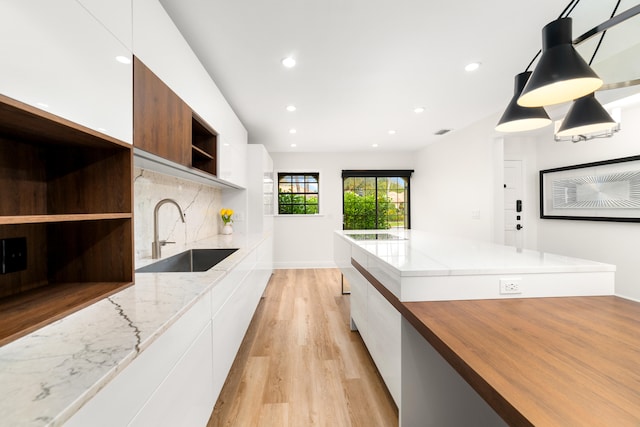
[[68, 190], [161, 120], [164, 125]]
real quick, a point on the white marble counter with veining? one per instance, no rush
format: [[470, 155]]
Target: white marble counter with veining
[[49, 374], [417, 253]]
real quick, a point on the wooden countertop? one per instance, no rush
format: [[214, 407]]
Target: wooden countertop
[[571, 361]]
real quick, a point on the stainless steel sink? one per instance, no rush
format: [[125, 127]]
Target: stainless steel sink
[[188, 261]]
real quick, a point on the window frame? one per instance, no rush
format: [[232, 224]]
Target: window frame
[[381, 173], [294, 172]]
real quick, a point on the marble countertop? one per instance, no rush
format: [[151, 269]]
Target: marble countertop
[[46, 376], [419, 253]]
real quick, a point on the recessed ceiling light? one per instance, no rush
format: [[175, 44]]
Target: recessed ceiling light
[[472, 67], [123, 60], [374, 145], [293, 145], [226, 144], [292, 131], [289, 62], [291, 108], [392, 132], [418, 110]]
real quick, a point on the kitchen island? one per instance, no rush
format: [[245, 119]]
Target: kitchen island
[[115, 361], [389, 271]]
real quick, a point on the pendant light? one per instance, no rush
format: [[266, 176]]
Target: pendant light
[[586, 116], [561, 74], [517, 118]]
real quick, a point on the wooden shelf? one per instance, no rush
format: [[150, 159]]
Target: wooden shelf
[[40, 219], [200, 152], [28, 311]]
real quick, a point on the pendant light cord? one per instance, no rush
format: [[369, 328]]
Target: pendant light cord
[[615, 9], [572, 5]]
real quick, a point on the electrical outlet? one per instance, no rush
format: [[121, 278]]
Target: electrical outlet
[[510, 286], [14, 254]]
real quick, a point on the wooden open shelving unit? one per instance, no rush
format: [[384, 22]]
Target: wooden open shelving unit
[[203, 146], [67, 189]]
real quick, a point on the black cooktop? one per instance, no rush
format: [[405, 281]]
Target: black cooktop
[[375, 236]]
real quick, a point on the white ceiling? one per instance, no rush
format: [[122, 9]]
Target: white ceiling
[[364, 65]]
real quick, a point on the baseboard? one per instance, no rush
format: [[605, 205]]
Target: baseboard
[[303, 265]]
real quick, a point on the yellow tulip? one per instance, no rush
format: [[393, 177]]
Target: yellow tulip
[[225, 214]]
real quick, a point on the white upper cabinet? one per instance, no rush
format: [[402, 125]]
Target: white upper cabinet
[[260, 187], [115, 15], [58, 57], [232, 158]]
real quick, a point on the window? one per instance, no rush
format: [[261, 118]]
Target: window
[[298, 193], [376, 199]]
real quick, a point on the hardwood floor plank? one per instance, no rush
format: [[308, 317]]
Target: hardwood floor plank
[[300, 365], [274, 414]]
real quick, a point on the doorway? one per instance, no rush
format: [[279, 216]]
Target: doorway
[[513, 204]]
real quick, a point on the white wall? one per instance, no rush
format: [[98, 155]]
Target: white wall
[[307, 241], [615, 243], [455, 177]]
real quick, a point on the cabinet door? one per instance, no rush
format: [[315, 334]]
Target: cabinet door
[[57, 57], [161, 120], [229, 326], [385, 339], [115, 15], [358, 302], [233, 160], [185, 397], [231, 323]]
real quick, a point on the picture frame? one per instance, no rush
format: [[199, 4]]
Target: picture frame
[[607, 190]]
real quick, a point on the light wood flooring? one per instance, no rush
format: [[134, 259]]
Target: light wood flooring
[[300, 365]]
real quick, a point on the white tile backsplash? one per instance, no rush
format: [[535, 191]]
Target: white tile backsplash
[[199, 202]]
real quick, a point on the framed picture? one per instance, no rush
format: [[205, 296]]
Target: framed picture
[[601, 191]]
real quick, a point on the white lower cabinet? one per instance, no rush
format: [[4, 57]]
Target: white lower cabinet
[[385, 339], [185, 398], [358, 285], [379, 324], [231, 321]]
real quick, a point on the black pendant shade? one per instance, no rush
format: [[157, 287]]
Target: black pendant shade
[[517, 118], [561, 74], [586, 116]]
